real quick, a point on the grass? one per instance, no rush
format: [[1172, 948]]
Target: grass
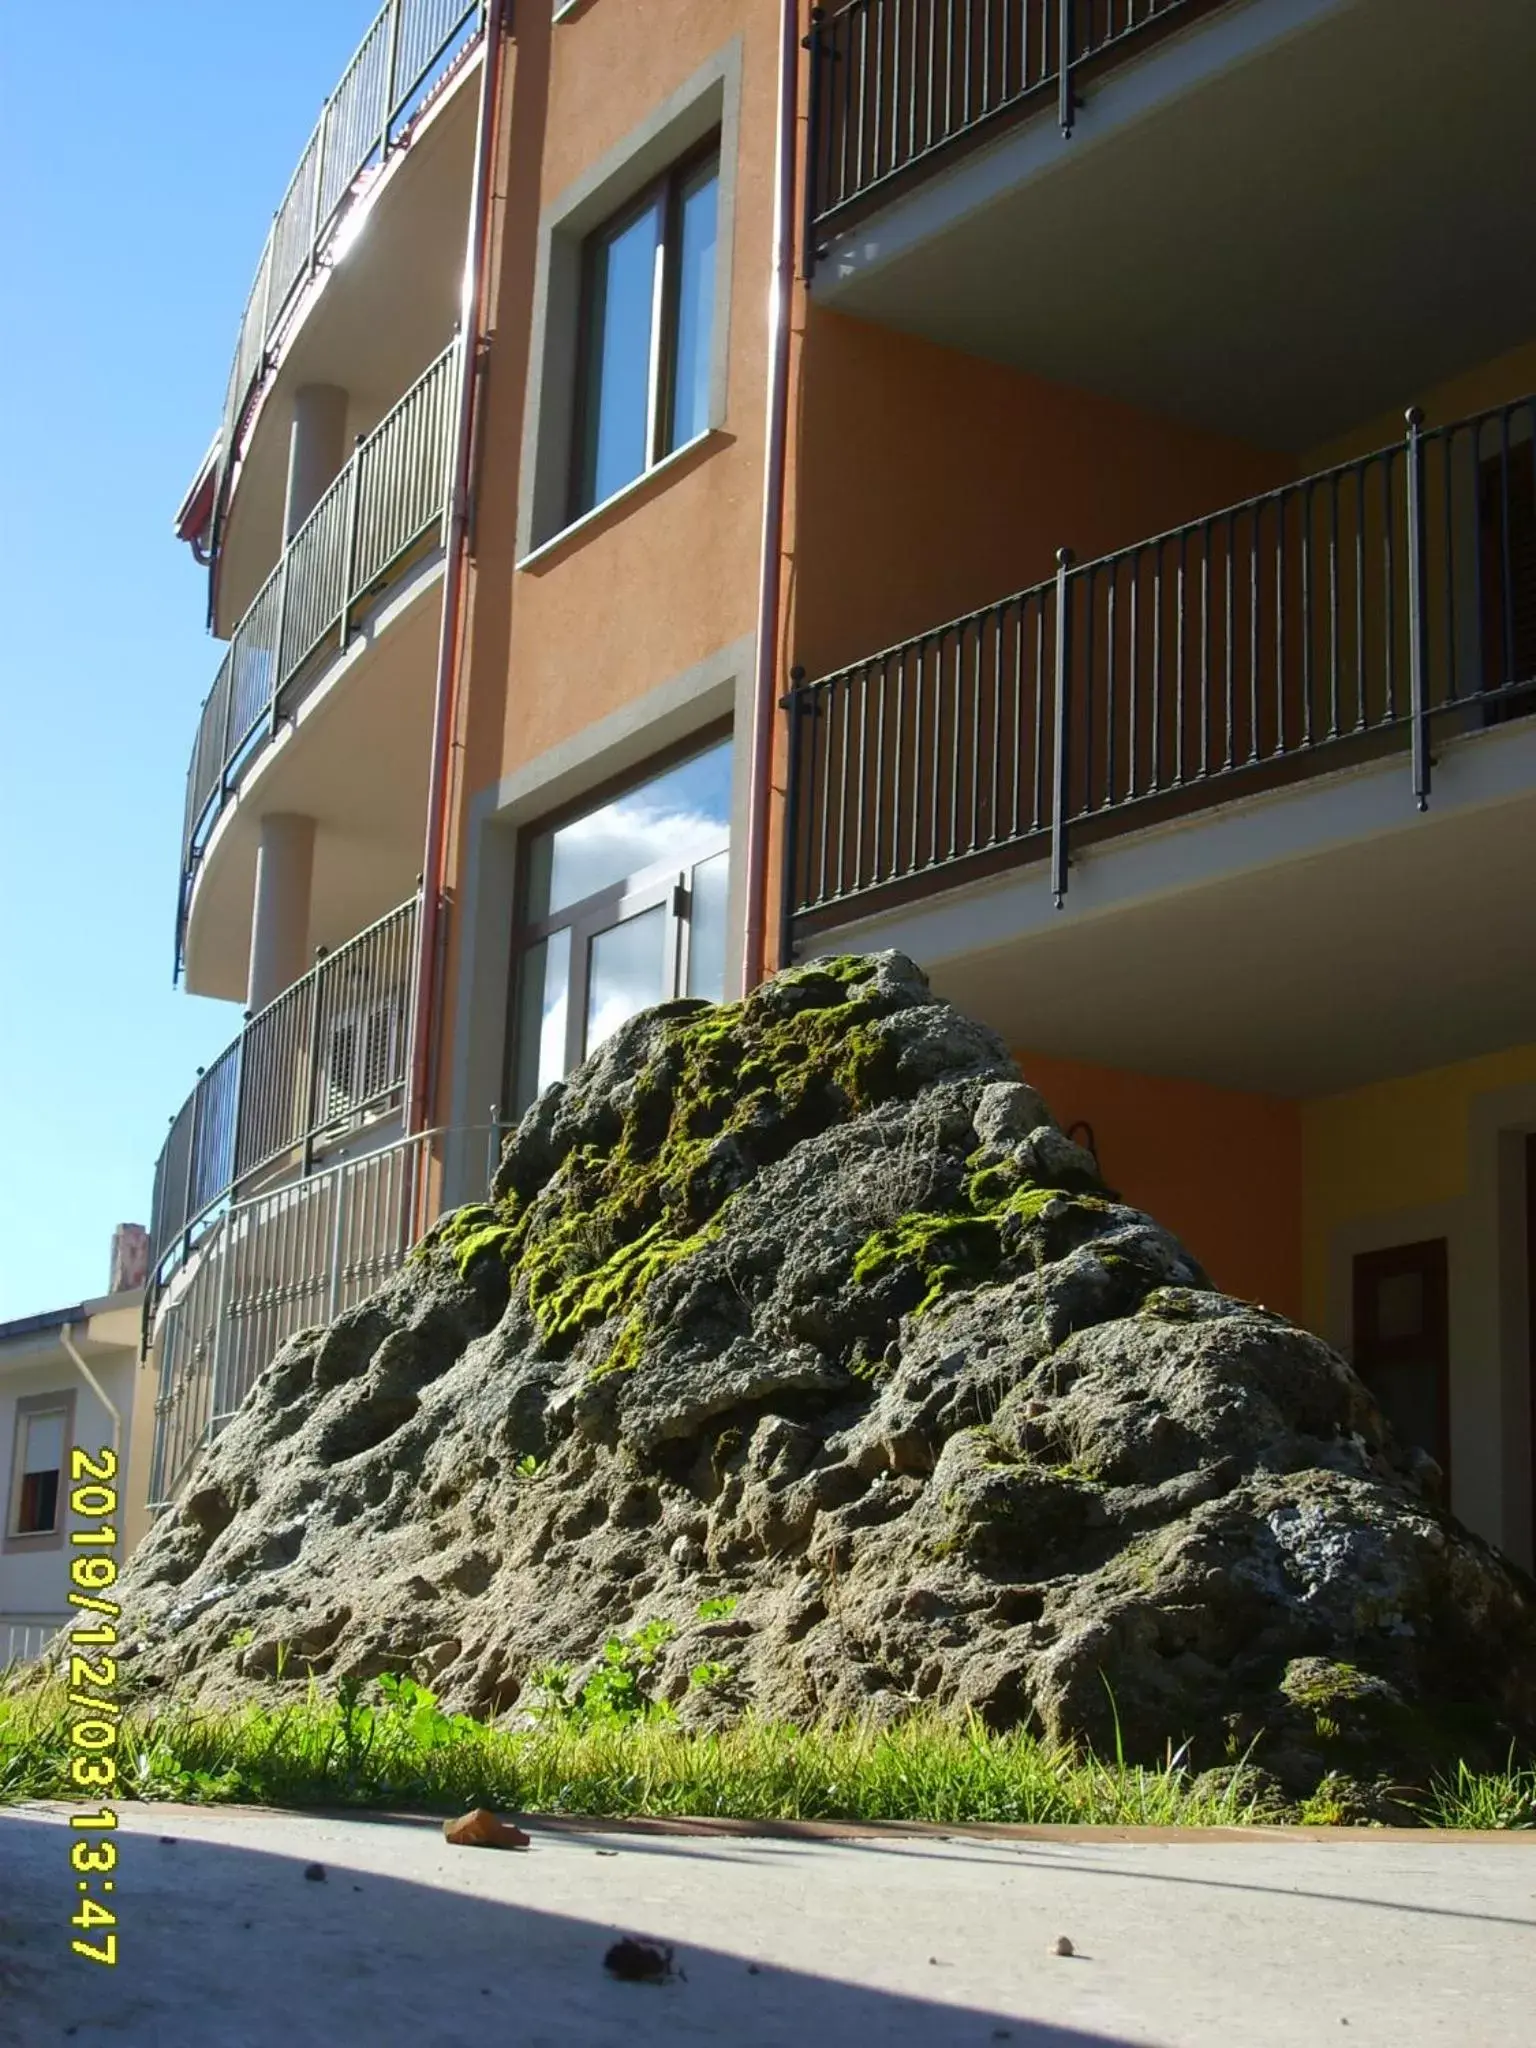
[[399, 1750]]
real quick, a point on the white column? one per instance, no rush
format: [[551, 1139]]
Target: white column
[[317, 448], [285, 862]]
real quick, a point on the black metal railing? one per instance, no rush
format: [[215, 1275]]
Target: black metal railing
[[897, 83], [1351, 612], [399, 64], [387, 501], [329, 1052]]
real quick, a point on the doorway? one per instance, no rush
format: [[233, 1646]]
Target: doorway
[[1402, 1341]]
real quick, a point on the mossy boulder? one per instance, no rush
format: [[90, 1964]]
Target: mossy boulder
[[805, 1300]]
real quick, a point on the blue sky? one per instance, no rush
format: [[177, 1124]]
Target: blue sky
[[142, 154]]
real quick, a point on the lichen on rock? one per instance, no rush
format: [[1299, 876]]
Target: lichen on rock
[[806, 1301]]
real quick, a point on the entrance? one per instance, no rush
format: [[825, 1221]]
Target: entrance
[[1402, 1342]]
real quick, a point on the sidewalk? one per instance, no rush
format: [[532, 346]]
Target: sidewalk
[[1271, 1939]]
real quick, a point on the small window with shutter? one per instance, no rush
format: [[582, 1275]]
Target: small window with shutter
[[36, 1483]]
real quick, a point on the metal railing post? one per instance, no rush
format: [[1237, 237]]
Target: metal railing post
[[1418, 618], [216, 1401], [321, 129], [312, 1078], [349, 568], [338, 1239], [812, 43], [186, 1199], [1062, 759], [277, 644], [795, 704], [390, 65], [1066, 99]]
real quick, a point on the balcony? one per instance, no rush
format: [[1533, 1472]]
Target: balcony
[[285, 1190], [1361, 641], [337, 601], [321, 1067], [359, 279], [1331, 186]]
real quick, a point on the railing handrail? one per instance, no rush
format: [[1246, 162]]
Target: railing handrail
[[1381, 593], [221, 741], [281, 1260], [171, 1223], [429, 34], [1009, 54], [1162, 538]]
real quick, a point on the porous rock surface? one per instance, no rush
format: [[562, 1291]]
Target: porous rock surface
[[808, 1301]]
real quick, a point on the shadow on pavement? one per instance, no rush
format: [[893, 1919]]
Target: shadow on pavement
[[231, 1947]]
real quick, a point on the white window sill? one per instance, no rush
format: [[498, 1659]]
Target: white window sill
[[653, 478]]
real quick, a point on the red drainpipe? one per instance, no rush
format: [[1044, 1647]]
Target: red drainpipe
[[432, 929], [770, 579]]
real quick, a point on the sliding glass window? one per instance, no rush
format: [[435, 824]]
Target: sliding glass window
[[647, 330]]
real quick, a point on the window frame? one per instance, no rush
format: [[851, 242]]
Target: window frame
[[663, 195], [666, 882], [25, 1410]]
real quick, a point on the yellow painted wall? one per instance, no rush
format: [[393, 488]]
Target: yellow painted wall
[[1393, 1145]]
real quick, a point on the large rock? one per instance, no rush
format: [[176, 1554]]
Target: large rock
[[807, 1300]]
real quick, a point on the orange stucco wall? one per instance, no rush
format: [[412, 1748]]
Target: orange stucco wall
[[1221, 1169], [929, 482], [667, 576]]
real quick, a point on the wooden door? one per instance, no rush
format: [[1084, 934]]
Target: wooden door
[[1402, 1341]]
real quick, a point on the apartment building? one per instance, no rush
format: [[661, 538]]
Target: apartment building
[[1044, 484]]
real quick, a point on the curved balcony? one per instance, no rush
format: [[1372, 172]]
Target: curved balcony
[[377, 521], [321, 1065], [398, 68]]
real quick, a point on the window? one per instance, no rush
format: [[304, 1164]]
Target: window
[[40, 1433], [647, 325], [624, 906]]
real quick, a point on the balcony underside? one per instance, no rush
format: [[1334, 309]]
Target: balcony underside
[[354, 759], [1311, 940], [376, 316], [1284, 220]]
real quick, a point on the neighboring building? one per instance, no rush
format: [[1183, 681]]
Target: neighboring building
[[1220, 818], [69, 1379]]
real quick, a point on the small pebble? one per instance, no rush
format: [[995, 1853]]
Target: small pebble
[[1061, 1946], [639, 1962], [315, 1872]]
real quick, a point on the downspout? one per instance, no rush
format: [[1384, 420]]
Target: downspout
[[771, 570], [96, 1388], [429, 947]]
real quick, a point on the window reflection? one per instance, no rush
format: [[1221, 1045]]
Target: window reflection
[[615, 902], [627, 973], [706, 929], [664, 819]]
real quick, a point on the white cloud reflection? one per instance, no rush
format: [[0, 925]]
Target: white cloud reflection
[[663, 820]]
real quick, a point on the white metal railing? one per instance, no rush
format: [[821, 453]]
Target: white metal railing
[[384, 504], [23, 1638], [397, 67], [327, 1053], [286, 1260]]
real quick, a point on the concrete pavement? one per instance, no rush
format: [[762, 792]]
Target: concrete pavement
[[1272, 1940]]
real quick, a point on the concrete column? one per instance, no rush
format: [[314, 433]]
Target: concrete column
[[285, 862], [317, 448]]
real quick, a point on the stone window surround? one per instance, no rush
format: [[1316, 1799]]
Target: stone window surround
[[60, 1402], [710, 99]]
